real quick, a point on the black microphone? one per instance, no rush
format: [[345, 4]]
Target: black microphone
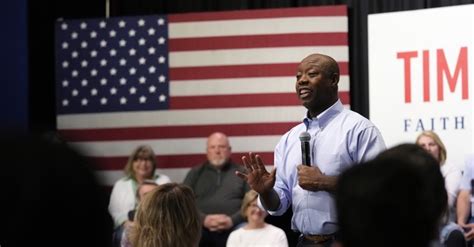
[[305, 151]]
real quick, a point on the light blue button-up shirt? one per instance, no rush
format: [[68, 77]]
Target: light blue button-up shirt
[[339, 139]]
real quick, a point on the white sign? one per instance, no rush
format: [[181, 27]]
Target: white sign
[[420, 69]]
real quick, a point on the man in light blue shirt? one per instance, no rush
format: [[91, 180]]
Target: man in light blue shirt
[[339, 139]]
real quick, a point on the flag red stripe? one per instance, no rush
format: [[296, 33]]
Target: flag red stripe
[[143, 133], [257, 41], [170, 161], [340, 10], [243, 100], [241, 71]]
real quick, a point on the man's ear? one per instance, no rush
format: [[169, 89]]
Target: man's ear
[[334, 79]]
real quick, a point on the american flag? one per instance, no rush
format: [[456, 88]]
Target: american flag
[[170, 81]]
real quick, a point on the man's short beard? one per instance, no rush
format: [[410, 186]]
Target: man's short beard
[[218, 162]]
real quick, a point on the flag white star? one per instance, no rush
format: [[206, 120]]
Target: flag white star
[[65, 45], [84, 82], [142, 80], [84, 63], [64, 26], [83, 25], [93, 34], [123, 62], [93, 72], [142, 60], [142, 99], [122, 23], [141, 22], [74, 73], [74, 92], [152, 89], [65, 64], [122, 42], [74, 54], [103, 43], [161, 59], [123, 81], [113, 90], [131, 33], [113, 71], [151, 31], [161, 40], [132, 52], [84, 102], [162, 98], [84, 44], [74, 35], [113, 52], [112, 33], [65, 102], [123, 100], [162, 78], [132, 90], [103, 62], [141, 41], [102, 24], [93, 53], [132, 71], [103, 81], [161, 21], [103, 101], [151, 50], [65, 83], [93, 92], [151, 70]]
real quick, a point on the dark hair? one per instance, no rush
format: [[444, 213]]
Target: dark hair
[[52, 196], [397, 199]]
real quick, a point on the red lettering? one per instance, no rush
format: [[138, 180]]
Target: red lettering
[[407, 56], [461, 67], [426, 75]]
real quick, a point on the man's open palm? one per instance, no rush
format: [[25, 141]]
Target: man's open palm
[[256, 175]]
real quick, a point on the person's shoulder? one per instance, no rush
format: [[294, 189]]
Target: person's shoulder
[[293, 133], [235, 166], [123, 180], [273, 228], [162, 179], [354, 120]]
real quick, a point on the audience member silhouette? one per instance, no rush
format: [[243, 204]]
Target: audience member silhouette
[[397, 199], [51, 197]]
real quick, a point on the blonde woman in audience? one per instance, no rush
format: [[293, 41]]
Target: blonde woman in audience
[[141, 166], [256, 232], [431, 142], [167, 217]]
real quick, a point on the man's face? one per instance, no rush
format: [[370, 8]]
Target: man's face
[[218, 150], [314, 87]]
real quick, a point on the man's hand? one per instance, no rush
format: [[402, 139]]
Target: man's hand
[[312, 179], [468, 230], [257, 176], [217, 222]]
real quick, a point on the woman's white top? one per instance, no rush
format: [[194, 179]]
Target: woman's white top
[[269, 235]]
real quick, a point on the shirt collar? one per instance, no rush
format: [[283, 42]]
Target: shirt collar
[[324, 117]]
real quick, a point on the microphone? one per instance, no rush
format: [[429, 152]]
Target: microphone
[[305, 151]]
